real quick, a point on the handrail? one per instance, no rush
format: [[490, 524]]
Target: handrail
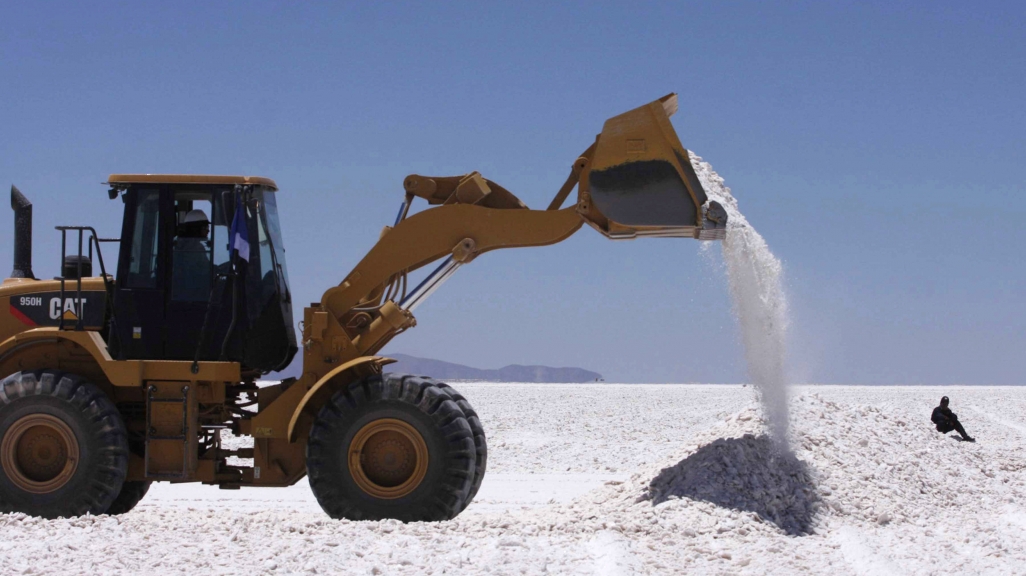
[[94, 239]]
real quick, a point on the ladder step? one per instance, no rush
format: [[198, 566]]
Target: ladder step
[[170, 448]]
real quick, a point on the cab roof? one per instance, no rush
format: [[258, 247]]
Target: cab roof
[[190, 179]]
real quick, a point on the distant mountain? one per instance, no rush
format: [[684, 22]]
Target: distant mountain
[[448, 371], [513, 373]]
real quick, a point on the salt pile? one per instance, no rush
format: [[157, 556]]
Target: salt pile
[[756, 287], [746, 473]]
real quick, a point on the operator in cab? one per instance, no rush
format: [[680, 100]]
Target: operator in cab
[[946, 420], [191, 280]]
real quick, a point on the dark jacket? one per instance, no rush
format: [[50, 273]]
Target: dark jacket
[[942, 415]]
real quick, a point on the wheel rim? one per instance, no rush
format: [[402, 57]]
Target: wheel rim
[[388, 458], [40, 453]]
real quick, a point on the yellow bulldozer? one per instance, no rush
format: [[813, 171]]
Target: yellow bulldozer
[[114, 378]]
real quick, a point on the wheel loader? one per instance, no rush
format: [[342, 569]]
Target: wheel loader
[[119, 374]]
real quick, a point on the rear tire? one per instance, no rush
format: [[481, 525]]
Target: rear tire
[[63, 446], [132, 492], [480, 442], [391, 446]]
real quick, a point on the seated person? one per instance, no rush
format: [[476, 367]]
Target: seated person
[[946, 420], [191, 274]]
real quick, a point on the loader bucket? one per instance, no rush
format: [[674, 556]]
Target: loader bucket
[[639, 181]]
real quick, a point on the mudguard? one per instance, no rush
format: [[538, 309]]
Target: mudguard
[[334, 378]]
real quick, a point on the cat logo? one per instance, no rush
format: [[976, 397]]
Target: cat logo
[[68, 308], [51, 308]]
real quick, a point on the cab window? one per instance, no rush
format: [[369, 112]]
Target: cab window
[[268, 278], [142, 268], [274, 234]]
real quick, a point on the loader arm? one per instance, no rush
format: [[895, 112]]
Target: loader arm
[[635, 180], [460, 230]]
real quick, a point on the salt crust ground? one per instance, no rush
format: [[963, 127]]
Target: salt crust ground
[[675, 485]]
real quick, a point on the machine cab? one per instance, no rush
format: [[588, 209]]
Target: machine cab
[[201, 272]]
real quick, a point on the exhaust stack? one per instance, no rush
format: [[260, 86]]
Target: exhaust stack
[[22, 235]]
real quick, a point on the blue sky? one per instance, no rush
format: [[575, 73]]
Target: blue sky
[[878, 146]]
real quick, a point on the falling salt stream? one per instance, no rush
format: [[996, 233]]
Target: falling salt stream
[[755, 276]]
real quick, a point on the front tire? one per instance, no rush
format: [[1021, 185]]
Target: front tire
[[391, 446], [63, 446]]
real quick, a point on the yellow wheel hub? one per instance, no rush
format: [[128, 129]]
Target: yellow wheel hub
[[39, 453], [388, 458]]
